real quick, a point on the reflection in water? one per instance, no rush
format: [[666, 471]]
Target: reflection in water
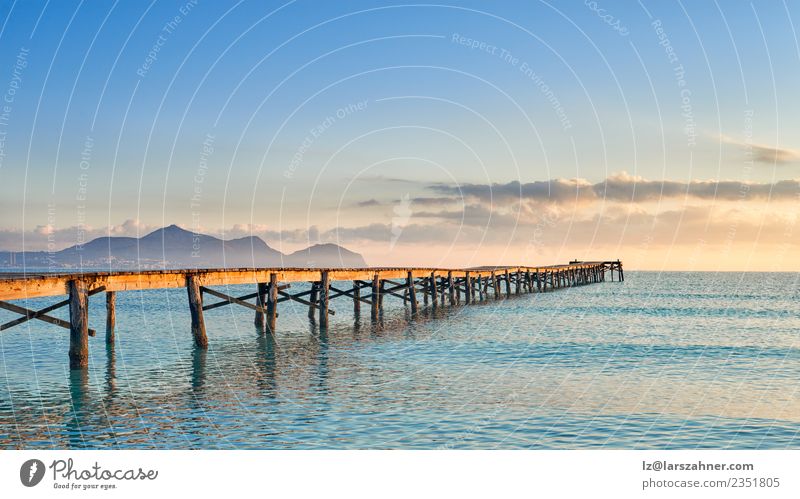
[[266, 365], [80, 400], [680, 367], [111, 371], [199, 359]]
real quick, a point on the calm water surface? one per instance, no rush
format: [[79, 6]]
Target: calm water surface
[[670, 360]]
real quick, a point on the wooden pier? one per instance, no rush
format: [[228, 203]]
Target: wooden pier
[[367, 286]]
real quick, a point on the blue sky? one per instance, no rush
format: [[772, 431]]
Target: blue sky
[[98, 134]]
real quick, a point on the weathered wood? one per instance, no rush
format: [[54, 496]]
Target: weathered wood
[[336, 292], [196, 311], [230, 299], [376, 295], [35, 314], [79, 324], [439, 283], [296, 298], [451, 288], [272, 302], [111, 316], [312, 306], [324, 290], [261, 300], [356, 298], [412, 292]]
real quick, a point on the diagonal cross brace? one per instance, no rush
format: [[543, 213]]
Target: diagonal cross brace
[[28, 314], [342, 292], [233, 299], [300, 300], [229, 300]]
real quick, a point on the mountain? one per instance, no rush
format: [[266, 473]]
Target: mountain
[[174, 247], [325, 255]]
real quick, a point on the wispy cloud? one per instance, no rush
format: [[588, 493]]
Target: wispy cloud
[[621, 187], [764, 153]]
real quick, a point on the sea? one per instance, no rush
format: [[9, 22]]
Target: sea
[[663, 360]]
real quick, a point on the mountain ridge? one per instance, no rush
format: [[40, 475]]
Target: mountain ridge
[[175, 247]]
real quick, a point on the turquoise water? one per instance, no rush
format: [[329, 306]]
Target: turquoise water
[[670, 360]]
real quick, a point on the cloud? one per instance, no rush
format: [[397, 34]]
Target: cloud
[[771, 155], [544, 190], [763, 153], [368, 203], [621, 187], [46, 237]]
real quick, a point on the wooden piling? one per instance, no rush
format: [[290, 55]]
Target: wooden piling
[[324, 293], [111, 316], [469, 291], [78, 324], [434, 294], [196, 311], [376, 294], [272, 302], [412, 292], [452, 288], [312, 299], [356, 298], [261, 300], [425, 289]]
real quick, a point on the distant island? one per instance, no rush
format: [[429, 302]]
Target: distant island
[[174, 247]]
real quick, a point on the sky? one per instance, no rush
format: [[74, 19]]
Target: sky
[[451, 134]]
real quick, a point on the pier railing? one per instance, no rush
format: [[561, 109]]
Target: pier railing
[[364, 286]]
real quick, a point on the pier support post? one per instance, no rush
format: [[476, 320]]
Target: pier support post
[[196, 310], [469, 290], [313, 299], [518, 284], [356, 298], [434, 294], [412, 292], [480, 287], [261, 300], [425, 288], [324, 292], [508, 284], [272, 302], [376, 295], [451, 287], [78, 324], [111, 316]]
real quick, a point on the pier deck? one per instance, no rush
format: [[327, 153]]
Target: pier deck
[[437, 287]]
